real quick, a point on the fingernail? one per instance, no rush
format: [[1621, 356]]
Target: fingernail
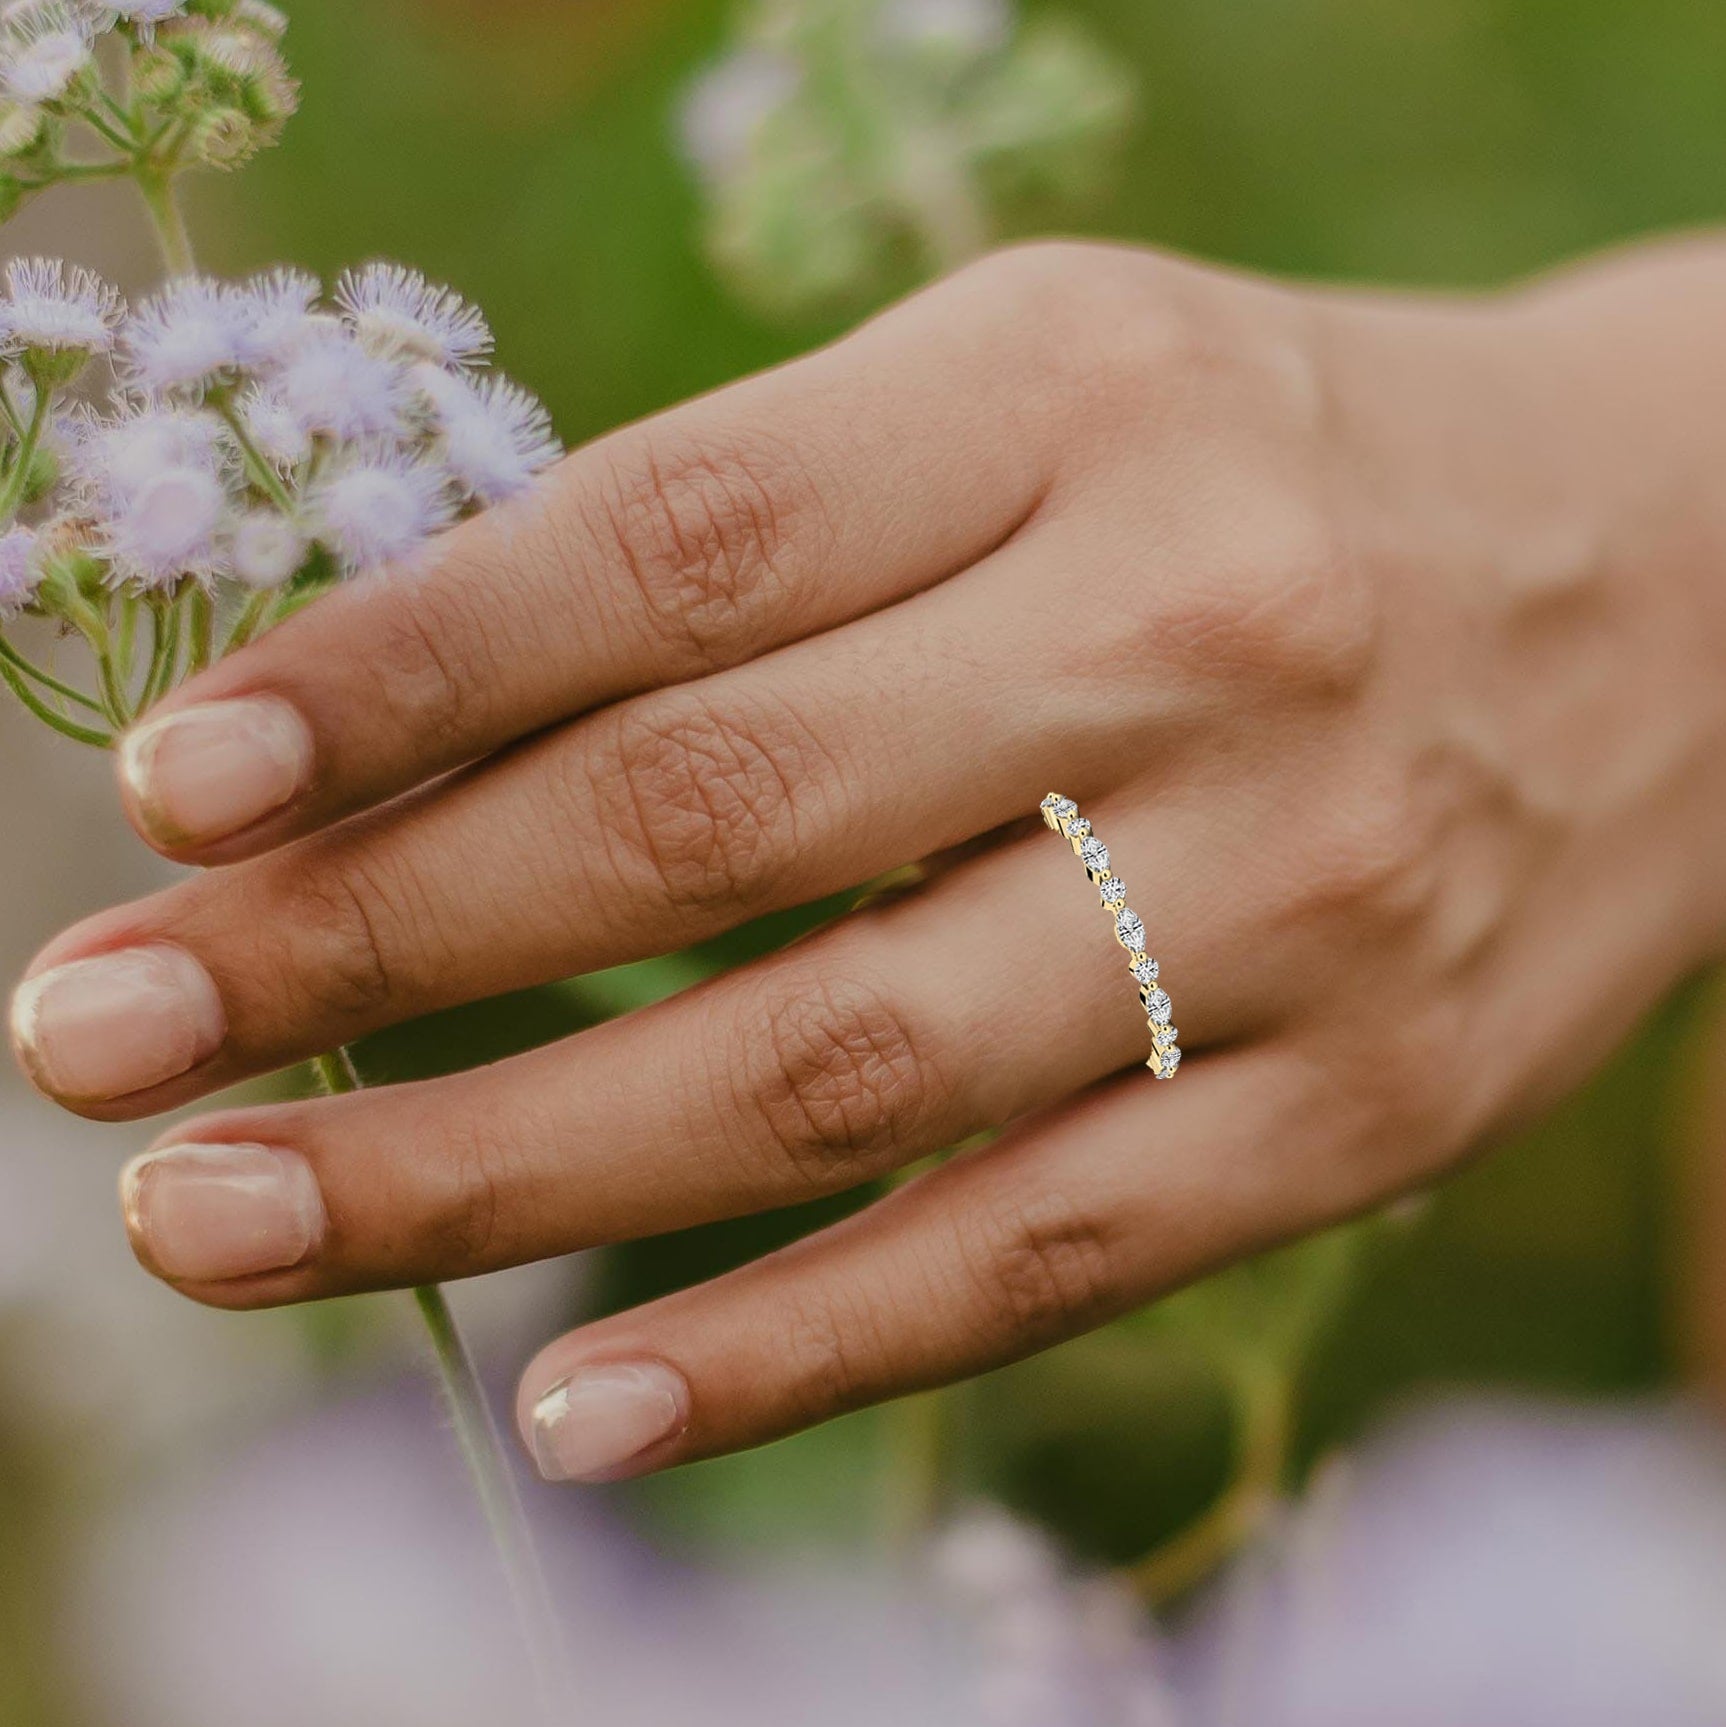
[[105, 1028], [206, 772], [209, 1213], [599, 1421]]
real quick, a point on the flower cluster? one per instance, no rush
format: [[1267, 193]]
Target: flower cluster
[[256, 441], [196, 83], [844, 141]]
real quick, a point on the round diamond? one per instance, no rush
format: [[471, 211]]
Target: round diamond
[[1163, 1035], [1113, 890], [1078, 829], [1059, 807], [1145, 970], [1159, 1007], [1171, 1061], [1130, 931]]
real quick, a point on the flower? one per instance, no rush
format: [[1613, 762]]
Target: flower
[[113, 459], [496, 436], [332, 385], [19, 575], [728, 104], [169, 528], [145, 14], [377, 506], [395, 310], [45, 48], [51, 310], [971, 28], [275, 311], [186, 339], [275, 430], [268, 549]]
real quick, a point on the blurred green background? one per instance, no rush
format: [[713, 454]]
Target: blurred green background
[[524, 153]]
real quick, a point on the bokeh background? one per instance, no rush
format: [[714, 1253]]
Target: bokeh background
[[260, 1519]]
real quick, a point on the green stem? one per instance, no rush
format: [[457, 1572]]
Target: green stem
[[262, 473], [47, 679], [172, 235], [164, 653], [250, 621], [201, 615], [65, 727], [487, 1460], [119, 140], [18, 481]]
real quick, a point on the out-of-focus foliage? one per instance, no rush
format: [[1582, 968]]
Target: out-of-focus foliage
[[844, 146]]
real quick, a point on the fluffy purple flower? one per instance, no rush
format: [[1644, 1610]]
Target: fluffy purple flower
[[332, 387], [267, 549], [276, 311], [45, 48], [111, 459], [50, 307], [186, 339], [378, 506], [19, 576], [395, 311], [171, 527], [497, 438]]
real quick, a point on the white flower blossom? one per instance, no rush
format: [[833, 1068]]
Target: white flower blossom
[[113, 459], [334, 387], [48, 307], [276, 312], [396, 311], [496, 436], [268, 549], [171, 527], [378, 506], [186, 339], [971, 28], [19, 576], [277, 433], [44, 50], [727, 106]]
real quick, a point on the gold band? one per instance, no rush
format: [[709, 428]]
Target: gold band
[[1062, 815]]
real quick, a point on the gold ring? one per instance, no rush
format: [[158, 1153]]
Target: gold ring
[[1062, 814]]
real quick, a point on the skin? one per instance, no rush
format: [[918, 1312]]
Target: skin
[[1383, 639]]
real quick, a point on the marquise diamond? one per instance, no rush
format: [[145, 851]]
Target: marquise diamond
[[1158, 1007], [1130, 930], [1171, 1061]]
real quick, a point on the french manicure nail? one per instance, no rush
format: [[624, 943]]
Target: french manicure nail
[[206, 772], [107, 1027], [600, 1420], [210, 1213]]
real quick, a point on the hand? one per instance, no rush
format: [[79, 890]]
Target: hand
[[1383, 641]]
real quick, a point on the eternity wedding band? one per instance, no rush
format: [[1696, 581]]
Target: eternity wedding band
[[1062, 814]]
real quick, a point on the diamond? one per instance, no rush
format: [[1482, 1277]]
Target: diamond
[[1159, 1007], [1113, 890], [1145, 970], [1130, 931], [1059, 808], [1094, 855], [1163, 1035], [1171, 1062], [1078, 828]]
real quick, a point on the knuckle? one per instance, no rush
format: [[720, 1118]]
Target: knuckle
[[1043, 1267], [835, 1081], [422, 658], [1280, 604], [1372, 864], [710, 801], [344, 915], [835, 1354], [703, 531]]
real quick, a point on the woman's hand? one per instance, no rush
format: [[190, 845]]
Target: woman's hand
[[1384, 641]]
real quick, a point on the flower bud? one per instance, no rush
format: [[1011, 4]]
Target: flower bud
[[73, 577], [225, 138], [158, 74]]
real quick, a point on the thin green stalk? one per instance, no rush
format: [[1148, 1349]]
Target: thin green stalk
[[260, 470], [65, 727], [487, 1460], [250, 621], [201, 617], [119, 140], [47, 679], [172, 235], [18, 481], [164, 654]]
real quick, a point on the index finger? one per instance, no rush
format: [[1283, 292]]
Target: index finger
[[774, 510]]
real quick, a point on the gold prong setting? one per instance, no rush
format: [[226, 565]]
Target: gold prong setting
[[1061, 815]]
